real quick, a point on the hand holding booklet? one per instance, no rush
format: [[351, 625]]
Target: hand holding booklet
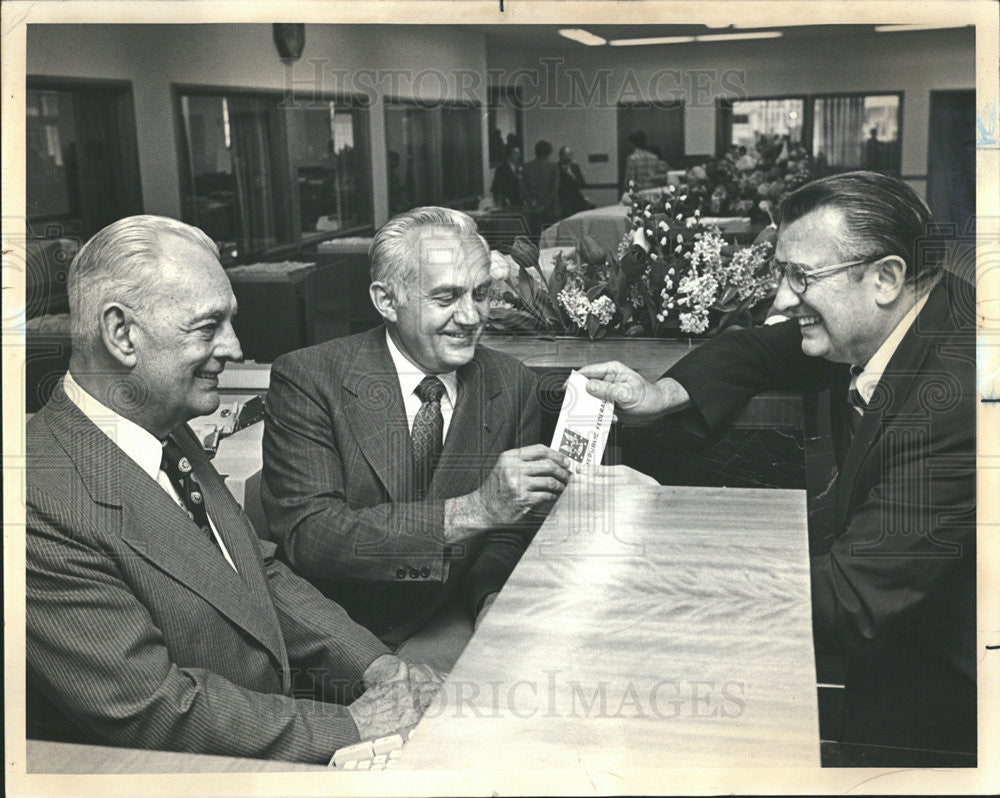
[[583, 426]]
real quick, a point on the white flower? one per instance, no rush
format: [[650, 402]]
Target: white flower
[[640, 238], [500, 265], [603, 308]]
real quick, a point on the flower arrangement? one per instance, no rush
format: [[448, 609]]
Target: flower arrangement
[[671, 274]]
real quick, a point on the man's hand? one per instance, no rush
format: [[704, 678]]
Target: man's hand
[[386, 668], [386, 709], [522, 481], [636, 399]]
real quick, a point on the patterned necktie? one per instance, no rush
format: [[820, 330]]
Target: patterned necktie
[[428, 426], [178, 469], [855, 402]]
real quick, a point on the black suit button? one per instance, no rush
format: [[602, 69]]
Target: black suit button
[[401, 573], [425, 572], [414, 573]]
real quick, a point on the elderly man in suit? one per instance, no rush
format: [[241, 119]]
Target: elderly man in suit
[[402, 469], [155, 616], [874, 318]]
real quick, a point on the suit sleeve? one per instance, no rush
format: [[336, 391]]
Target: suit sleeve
[[504, 547], [324, 645], [304, 492], [94, 651], [724, 373], [912, 539]]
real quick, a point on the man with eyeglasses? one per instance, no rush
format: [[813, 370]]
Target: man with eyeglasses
[[872, 317]]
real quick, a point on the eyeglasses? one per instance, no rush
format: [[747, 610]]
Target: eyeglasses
[[798, 278]]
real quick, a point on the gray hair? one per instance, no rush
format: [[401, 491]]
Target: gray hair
[[882, 216], [119, 264], [393, 251]]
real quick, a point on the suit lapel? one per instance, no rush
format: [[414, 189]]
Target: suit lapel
[[374, 409], [256, 611], [890, 395], [156, 528], [474, 425]]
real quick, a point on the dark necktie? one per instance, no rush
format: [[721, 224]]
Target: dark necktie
[[178, 469], [855, 402], [428, 426]]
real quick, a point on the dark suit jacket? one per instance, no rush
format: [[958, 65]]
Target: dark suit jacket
[[894, 580], [506, 186], [540, 180], [140, 634], [337, 483]]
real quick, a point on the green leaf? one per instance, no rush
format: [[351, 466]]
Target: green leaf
[[510, 319], [596, 290]]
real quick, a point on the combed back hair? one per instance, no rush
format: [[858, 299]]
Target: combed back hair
[[637, 138], [882, 216], [118, 265], [543, 149], [393, 253]]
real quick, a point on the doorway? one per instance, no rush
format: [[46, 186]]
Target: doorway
[[951, 158], [663, 124]]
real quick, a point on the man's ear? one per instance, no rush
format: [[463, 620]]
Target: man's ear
[[116, 333], [384, 299], [890, 279]]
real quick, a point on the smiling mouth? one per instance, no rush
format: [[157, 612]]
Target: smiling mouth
[[808, 321], [460, 336], [213, 376]]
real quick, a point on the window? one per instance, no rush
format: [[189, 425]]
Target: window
[[858, 131], [753, 120], [81, 165], [434, 155], [260, 175], [843, 131]]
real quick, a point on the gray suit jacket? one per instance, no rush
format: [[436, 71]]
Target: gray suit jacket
[[337, 484], [140, 634]]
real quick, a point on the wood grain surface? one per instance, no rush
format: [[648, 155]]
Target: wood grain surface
[[644, 628]]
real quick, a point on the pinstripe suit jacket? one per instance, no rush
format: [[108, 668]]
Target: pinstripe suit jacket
[[140, 634], [337, 484]]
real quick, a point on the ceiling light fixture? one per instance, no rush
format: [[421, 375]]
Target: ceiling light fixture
[[582, 36], [651, 40], [732, 37], [897, 28]]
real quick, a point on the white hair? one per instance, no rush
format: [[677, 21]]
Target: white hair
[[120, 264], [393, 251]]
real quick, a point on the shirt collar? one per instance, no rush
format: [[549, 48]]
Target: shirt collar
[[410, 375], [140, 445], [872, 372]]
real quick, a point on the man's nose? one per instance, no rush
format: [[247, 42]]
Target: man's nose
[[786, 298], [467, 312], [228, 345]]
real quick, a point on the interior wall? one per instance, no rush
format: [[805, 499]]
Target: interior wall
[[574, 102], [571, 97], [408, 62]]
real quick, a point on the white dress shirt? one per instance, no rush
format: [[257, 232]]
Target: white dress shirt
[[410, 377], [138, 444], [870, 375]]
